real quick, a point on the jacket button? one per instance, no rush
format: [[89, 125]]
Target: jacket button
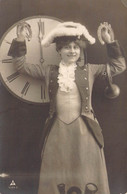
[[85, 78], [86, 107], [104, 73], [87, 88], [85, 69]]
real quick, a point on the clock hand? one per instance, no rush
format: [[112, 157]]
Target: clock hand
[[40, 37]]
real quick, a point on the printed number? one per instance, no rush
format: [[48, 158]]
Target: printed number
[[61, 188]]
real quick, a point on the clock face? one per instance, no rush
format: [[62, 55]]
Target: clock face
[[26, 88]]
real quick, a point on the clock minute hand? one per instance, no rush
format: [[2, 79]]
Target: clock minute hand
[[40, 37], [41, 30], [44, 90]]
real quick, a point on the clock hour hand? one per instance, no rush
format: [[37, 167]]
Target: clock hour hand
[[40, 37]]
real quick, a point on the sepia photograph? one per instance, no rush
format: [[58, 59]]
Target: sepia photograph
[[63, 91]]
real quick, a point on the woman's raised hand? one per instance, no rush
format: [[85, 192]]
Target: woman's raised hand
[[24, 31], [105, 33]]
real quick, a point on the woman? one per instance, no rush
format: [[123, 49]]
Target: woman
[[72, 142]]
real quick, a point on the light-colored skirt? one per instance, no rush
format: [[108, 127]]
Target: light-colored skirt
[[72, 159]]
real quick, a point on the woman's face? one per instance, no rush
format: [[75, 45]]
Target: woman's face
[[70, 53]]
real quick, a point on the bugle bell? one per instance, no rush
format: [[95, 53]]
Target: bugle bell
[[112, 90]]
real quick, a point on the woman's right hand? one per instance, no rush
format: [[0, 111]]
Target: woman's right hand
[[23, 32]]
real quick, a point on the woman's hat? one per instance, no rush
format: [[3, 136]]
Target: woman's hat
[[68, 29]]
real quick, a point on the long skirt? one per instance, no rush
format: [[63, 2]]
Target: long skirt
[[71, 160]]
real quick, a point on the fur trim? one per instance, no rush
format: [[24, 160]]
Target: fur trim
[[68, 29]]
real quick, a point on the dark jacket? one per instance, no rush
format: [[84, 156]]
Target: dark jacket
[[85, 76]]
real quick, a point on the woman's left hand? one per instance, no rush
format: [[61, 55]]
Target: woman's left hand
[[107, 33]]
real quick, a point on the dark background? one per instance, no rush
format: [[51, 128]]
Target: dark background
[[21, 124]]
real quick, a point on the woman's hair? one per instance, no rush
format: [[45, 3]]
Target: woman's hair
[[65, 40]]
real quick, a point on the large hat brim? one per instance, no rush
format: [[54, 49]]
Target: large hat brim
[[68, 29]]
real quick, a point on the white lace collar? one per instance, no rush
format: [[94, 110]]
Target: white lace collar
[[66, 76]]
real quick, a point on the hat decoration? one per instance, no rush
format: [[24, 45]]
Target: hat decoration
[[67, 29]]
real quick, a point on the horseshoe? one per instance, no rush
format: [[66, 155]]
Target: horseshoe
[[109, 29], [24, 26]]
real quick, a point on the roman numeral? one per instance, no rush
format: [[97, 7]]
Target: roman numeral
[[13, 76], [7, 60], [25, 89], [43, 92], [7, 42]]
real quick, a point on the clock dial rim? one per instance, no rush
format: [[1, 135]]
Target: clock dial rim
[[1, 41]]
